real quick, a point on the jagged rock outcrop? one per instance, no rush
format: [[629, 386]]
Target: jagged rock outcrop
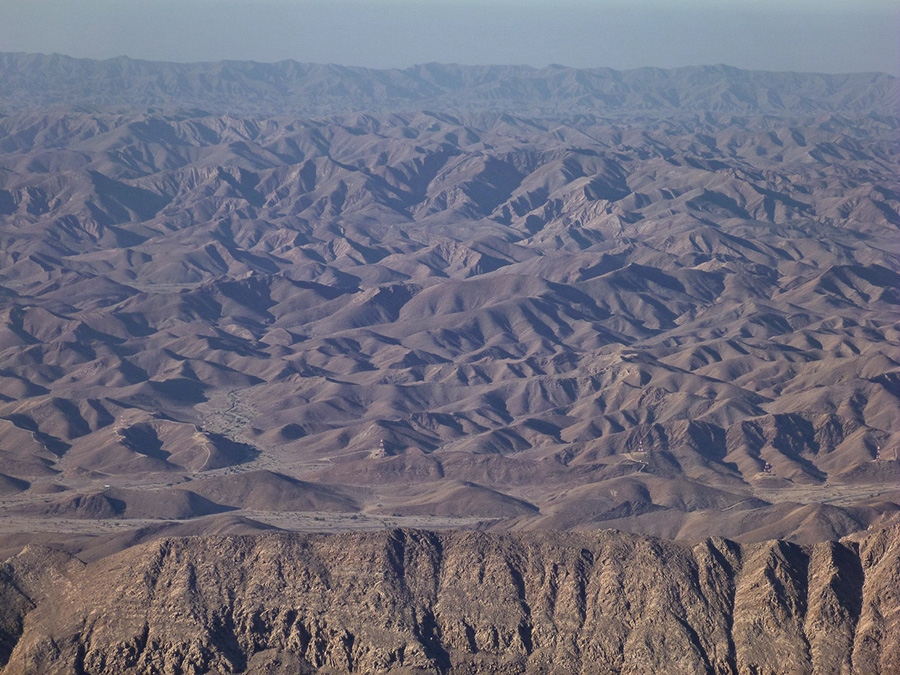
[[407, 601]]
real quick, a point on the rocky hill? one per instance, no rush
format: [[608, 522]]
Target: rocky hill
[[406, 601]]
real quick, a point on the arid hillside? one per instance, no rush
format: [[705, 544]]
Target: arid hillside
[[665, 302], [406, 601]]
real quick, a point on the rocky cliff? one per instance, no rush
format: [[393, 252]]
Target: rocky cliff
[[408, 601]]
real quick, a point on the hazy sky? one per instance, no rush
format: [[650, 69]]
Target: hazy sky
[[806, 35]]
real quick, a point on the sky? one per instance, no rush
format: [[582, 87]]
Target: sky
[[832, 36]]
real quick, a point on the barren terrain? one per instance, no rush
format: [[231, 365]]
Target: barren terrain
[[483, 316], [659, 301]]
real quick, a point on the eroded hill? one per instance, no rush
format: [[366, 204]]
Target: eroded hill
[[678, 318]]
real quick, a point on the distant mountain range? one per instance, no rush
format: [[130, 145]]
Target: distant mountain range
[[291, 88]]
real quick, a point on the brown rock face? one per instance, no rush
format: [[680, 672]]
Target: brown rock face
[[463, 602]]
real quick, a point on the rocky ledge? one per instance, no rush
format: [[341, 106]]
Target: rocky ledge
[[408, 601]]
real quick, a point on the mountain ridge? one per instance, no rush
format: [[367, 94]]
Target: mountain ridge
[[289, 87], [412, 601]]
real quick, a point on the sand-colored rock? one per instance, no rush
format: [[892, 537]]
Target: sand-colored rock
[[409, 601]]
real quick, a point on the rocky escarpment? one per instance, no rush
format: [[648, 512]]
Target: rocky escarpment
[[464, 602]]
